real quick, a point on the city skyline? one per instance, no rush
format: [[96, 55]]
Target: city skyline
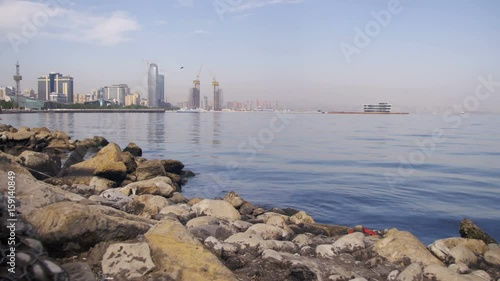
[[303, 53]]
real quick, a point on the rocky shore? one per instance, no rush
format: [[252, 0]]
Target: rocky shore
[[89, 210]]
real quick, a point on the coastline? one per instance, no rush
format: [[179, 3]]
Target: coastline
[[232, 238], [145, 110]]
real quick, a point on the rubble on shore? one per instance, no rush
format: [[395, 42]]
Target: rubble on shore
[[118, 215]]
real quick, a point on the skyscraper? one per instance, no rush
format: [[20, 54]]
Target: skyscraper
[[55, 83], [161, 89], [217, 96], [153, 91], [116, 93]]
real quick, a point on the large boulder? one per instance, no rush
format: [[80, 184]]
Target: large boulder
[[72, 227], [125, 261], [173, 166], [350, 243], [470, 230], [129, 160], [216, 208], [150, 169], [30, 193], [107, 163], [301, 217], [134, 149], [153, 204], [156, 186], [101, 184], [41, 162], [234, 199], [439, 273], [492, 256], [268, 232], [21, 135], [399, 245], [181, 256], [442, 247]]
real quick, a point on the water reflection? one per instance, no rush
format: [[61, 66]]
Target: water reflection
[[216, 129], [156, 131], [195, 128]]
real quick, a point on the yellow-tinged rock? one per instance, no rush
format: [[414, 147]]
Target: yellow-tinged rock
[[398, 245], [181, 256]]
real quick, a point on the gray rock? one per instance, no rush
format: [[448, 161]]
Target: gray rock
[[493, 257], [399, 245], [127, 261], [469, 230], [392, 275], [182, 212], [41, 162], [134, 149], [272, 255], [234, 199], [216, 208], [350, 243], [220, 232], [205, 220], [439, 273], [413, 272], [157, 186], [71, 227], [268, 232], [153, 204], [172, 166], [302, 240], [219, 247], [463, 255], [115, 195], [79, 271], [460, 268], [150, 169], [241, 225], [301, 217], [101, 184], [245, 240], [178, 198], [325, 251]]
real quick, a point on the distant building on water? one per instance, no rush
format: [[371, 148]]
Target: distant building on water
[[380, 107]]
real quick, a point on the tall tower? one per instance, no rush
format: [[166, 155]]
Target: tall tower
[[217, 96], [153, 85], [18, 79]]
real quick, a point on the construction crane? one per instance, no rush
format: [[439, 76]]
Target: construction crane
[[197, 81]]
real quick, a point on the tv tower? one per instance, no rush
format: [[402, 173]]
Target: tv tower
[[18, 79]]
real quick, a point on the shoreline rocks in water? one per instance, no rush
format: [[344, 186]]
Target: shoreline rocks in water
[[118, 215]]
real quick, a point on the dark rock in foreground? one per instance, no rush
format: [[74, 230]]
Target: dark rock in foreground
[[469, 230]]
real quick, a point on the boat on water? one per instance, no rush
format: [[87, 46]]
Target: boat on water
[[191, 110]]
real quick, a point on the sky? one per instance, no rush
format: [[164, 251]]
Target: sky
[[306, 54]]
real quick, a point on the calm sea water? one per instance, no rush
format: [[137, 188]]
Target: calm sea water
[[417, 172]]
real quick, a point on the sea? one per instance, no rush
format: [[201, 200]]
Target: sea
[[421, 173]]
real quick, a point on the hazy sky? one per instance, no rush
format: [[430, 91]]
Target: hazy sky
[[428, 53]]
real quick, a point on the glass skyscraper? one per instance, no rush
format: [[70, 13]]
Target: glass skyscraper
[[153, 85]]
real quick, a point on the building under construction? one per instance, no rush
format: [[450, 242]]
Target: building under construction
[[194, 93], [217, 96]]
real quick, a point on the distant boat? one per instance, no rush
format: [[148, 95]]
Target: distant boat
[[191, 110]]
